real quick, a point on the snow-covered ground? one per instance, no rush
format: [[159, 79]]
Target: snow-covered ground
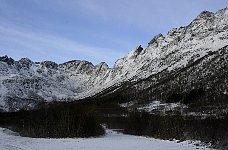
[[111, 141]]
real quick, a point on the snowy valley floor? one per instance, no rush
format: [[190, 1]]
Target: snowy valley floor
[[111, 141]]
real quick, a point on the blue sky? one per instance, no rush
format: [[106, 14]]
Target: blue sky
[[93, 30]]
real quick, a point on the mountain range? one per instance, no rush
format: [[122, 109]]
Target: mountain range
[[189, 65]]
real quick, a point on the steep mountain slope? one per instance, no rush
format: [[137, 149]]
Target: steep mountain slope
[[201, 87], [25, 83], [196, 52], [207, 33]]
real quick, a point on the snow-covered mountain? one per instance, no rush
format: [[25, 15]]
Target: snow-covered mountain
[[24, 84]]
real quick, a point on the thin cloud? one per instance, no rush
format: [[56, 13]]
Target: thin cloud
[[43, 43], [146, 15]]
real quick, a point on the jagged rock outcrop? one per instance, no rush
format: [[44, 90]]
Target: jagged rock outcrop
[[101, 68], [7, 59], [24, 83]]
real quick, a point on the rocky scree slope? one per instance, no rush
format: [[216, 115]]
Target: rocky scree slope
[[196, 52]]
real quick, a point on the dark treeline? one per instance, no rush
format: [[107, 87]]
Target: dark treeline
[[208, 130], [62, 119], [83, 120], [59, 120]]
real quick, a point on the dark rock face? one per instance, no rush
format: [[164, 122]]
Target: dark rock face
[[78, 66], [85, 66], [7, 59], [49, 64], [101, 68], [205, 15], [138, 50], [71, 64], [154, 40], [25, 63]]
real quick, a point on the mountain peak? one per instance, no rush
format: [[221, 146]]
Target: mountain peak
[[7, 59], [101, 67], [103, 64], [25, 62], [156, 37], [205, 15], [49, 64], [223, 13]]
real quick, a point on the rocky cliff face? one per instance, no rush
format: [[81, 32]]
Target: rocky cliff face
[[199, 49]]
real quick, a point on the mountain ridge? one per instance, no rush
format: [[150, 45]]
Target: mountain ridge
[[24, 83]]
